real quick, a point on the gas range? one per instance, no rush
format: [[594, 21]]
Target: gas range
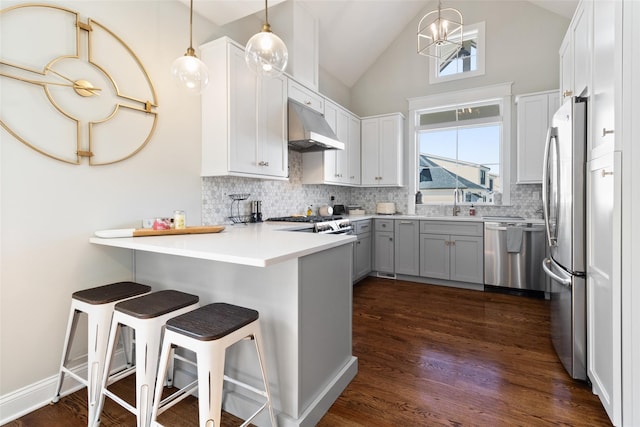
[[321, 224]]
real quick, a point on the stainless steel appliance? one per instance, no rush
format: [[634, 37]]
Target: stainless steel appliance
[[319, 224], [563, 197], [309, 131], [513, 252]]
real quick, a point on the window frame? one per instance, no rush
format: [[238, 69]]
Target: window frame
[[434, 78], [417, 105]]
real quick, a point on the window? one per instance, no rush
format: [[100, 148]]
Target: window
[[462, 144], [468, 61]]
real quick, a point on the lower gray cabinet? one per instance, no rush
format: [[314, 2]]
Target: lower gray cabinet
[[384, 249], [458, 257], [407, 247], [362, 249]]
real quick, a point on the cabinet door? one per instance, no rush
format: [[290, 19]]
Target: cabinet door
[[533, 121], [342, 156], [390, 166], [272, 156], [243, 90], [604, 331], [566, 67], [581, 39], [467, 259], [384, 252], [330, 158], [370, 149], [407, 247], [354, 151], [434, 256], [362, 257], [607, 18]]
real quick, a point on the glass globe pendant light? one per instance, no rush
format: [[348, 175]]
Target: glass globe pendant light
[[188, 71], [265, 53]]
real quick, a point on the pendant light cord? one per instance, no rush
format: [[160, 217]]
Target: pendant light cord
[[191, 27]]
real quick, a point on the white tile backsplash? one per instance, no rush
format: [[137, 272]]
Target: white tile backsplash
[[282, 198]]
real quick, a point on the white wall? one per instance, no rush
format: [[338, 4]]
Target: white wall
[[49, 209], [522, 43]]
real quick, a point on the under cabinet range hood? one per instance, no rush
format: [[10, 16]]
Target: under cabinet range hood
[[309, 131]]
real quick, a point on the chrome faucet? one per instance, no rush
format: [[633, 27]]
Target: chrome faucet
[[456, 208]]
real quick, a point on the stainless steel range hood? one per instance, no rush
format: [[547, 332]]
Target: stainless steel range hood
[[309, 131]]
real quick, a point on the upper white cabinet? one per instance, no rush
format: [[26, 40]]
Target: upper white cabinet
[[607, 63], [244, 117], [305, 96], [340, 167], [534, 117], [382, 141], [575, 53]]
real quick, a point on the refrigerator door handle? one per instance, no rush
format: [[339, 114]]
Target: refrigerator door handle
[[552, 134], [545, 266]]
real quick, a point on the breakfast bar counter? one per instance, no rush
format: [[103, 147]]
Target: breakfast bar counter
[[299, 282]]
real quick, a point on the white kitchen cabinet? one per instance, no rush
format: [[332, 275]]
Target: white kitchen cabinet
[[338, 167], [382, 141], [607, 72], [604, 330], [407, 247], [384, 248], [452, 251], [362, 248], [575, 52], [244, 117], [534, 116], [305, 96]]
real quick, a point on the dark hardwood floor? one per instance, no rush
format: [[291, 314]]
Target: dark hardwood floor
[[428, 356]]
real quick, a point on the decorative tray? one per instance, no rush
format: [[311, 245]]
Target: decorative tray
[[142, 232]]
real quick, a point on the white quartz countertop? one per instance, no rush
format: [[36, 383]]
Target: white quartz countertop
[[258, 245]]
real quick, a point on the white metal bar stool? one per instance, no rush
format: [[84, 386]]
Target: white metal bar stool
[[145, 315], [98, 304], [209, 331]]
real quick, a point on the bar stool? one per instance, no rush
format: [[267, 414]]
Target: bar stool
[[145, 315], [98, 304], [209, 331]]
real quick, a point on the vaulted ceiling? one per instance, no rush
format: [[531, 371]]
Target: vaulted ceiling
[[345, 26]]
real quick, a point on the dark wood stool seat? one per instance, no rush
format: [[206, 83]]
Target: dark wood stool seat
[[156, 304], [110, 293], [212, 321]]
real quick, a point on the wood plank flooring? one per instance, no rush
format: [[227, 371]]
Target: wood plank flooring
[[428, 356]]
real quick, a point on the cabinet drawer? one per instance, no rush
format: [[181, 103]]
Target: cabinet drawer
[[305, 96], [384, 224], [362, 227], [452, 227]]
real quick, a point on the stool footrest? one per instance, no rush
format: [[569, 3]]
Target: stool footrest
[[120, 375], [245, 386], [177, 397], [248, 420], [126, 405]]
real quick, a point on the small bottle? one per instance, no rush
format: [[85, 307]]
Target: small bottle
[[309, 211], [472, 211], [179, 220]]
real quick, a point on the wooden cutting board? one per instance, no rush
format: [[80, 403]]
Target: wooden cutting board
[[199, 229]]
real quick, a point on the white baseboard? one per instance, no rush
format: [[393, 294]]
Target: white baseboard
[[39, 394]]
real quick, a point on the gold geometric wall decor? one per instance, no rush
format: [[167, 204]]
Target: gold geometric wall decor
[[72, 89]]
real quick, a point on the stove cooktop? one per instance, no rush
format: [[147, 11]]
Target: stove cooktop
[[309, 219]]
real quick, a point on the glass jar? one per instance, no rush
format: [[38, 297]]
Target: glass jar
[[179, 220]]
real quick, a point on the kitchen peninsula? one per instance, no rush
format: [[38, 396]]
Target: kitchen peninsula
[[299, 282]]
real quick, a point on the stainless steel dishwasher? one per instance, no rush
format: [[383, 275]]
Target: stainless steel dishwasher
[[513, 254]]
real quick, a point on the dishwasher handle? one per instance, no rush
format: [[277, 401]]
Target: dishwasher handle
[[504, 228], [563, 281]]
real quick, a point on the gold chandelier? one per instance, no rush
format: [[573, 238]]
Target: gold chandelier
[[440, 28]]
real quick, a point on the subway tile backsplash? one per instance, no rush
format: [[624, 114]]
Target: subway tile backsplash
[[283, 198]]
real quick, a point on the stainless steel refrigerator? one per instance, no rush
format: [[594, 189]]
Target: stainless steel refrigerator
[[563, 197]]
